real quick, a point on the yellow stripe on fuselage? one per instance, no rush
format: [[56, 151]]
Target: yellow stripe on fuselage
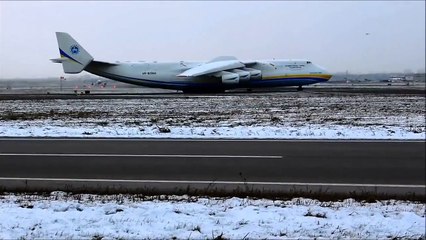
[[323, 76]]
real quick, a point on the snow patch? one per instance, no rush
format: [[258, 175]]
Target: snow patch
[[41, 129], [127, 216]]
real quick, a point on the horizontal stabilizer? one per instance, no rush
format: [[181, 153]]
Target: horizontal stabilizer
[[59, 60]]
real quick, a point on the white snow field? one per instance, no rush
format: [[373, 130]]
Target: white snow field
[[65, 216], [275, 116], [44, 129], [279, 116]]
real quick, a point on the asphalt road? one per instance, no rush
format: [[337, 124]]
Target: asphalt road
[[346, 164]]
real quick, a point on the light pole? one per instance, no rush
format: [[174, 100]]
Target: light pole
[[60, 81]]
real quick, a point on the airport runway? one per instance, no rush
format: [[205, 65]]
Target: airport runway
[[388, 166]]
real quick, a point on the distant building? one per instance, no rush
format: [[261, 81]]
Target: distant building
[[397, 78], [409, 78], [419, 77], [415, 77]]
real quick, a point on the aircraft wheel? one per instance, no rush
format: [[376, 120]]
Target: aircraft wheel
[[299, 88]]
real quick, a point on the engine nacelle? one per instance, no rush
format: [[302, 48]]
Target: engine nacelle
[[254, 73], [244, 75], [228, 77]]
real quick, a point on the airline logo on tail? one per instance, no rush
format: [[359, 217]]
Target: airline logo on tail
[[74, 49], [74, 57]]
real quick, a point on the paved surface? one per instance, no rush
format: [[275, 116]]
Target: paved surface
[[390, 164]]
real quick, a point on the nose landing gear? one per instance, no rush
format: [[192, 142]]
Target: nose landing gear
[[299, 88]]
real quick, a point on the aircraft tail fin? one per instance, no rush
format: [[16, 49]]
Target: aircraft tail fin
[[74, 57]]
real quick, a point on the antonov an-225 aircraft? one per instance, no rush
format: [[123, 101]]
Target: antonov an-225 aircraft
[[217, 75]]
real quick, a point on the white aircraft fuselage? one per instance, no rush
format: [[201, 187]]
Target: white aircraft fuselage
[[275, 73], [219, 74]]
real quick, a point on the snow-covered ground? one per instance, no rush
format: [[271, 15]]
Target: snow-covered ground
[[62, 215], [43, 129], [280, 115]]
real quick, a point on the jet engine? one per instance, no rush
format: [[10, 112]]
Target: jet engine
[[244, 75], [228, 77], [254, 73]]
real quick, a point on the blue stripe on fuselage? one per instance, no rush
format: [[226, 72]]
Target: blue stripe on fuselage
[[199, 85], [286, 82]]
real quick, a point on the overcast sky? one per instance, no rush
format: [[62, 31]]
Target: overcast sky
[[331, 34]]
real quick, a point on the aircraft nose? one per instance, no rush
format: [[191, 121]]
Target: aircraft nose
[[325, 74], [328, 76]]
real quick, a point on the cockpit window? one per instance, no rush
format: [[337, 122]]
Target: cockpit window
[[308, 62]]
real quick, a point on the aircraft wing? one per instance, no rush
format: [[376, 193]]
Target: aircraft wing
[[248, 63], [212, 67]]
